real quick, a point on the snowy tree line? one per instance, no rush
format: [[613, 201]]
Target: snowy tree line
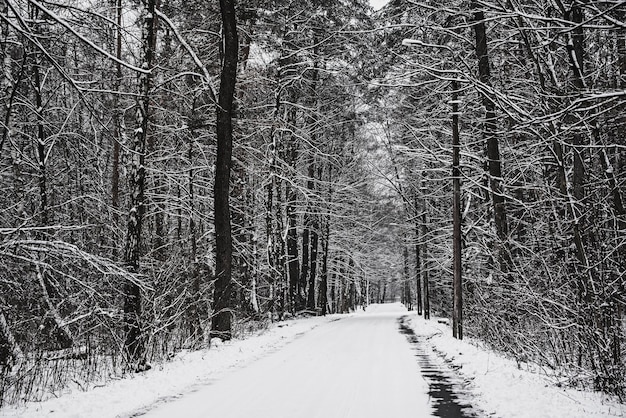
[[536, 93], [340, 186], [109, 147]]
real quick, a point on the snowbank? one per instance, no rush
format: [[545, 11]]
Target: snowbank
[[504, 390], [187, 371]]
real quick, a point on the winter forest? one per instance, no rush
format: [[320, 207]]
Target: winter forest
[[176, 171]]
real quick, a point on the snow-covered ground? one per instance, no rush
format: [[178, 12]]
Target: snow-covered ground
[[337, 366], [501, 389], [357, 367], [186, 372]]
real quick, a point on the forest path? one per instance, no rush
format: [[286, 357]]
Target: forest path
[[360, 366]]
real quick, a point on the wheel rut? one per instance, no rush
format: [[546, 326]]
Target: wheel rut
[[449, 391]]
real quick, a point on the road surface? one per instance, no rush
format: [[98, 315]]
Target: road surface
[[359, 366]]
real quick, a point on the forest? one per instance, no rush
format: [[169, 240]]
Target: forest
[[175, 171]]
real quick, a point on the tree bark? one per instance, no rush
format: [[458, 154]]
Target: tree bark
[[293, 262], [134, 344], [322, 300], [221, 323], [418, 259], [406, 287], [425, 264], [117, 121], [313, 267], [493, 151], [457, 314]]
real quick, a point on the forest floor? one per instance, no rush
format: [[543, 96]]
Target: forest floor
[[385, 362]]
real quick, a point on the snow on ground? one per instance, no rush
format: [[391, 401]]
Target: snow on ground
[[504, 390], [323, 367], [357, 367], [187, 371]]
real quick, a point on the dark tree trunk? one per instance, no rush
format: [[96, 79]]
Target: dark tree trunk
[[293, 263], [406, 282], [418, 259], [309, 243], [323, 290], [306, 246], [457, 311], [494, 165], [272, 216], [425, 264], [193, 310], [313, 268], [134, 344], [41, 148], [117, 122], [296, 301], [221, 323]]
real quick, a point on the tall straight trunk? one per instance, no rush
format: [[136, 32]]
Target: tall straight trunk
[[271, 228], [310, 216], [575, 49], [313, 267], [494, 165], [293, 262], [134, 344], [8, 82], [406, 283], [621, 62], [296, 300], [425, 264], [117, 120], [241, 232], [309, 241], [418, 259], [322, 300], [457, 311], [221, 323], [306, 245], [273, 218], [41, 147], [193, 313]]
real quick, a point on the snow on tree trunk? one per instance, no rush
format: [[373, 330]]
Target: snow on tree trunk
[[134, 344]]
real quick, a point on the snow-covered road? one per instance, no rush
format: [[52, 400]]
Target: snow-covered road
[[356, 365], [359, 366]]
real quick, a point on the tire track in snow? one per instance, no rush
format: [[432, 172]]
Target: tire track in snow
[[447, 388]]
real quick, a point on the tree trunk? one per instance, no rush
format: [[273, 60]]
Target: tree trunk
[[296, 301], [134, 344], [117, 122], [313, 268], [418, 259], [457, 311], [193, 310], [406, 282], [221, 324], [293, 263], [425, 264], [490, 128], [322, 301]]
